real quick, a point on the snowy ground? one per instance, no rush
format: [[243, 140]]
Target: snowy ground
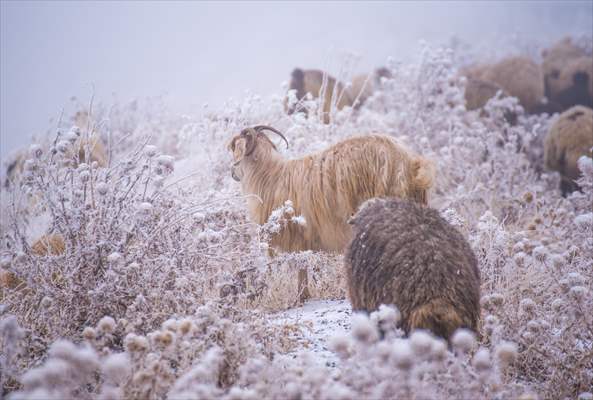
[[319, 321]]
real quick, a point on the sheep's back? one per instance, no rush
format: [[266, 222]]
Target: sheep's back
[[407, 255], [569, 138]]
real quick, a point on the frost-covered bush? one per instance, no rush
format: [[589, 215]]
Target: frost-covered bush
[[167, 289]]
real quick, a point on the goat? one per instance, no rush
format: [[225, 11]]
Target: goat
[[409, 256], [326, 187]]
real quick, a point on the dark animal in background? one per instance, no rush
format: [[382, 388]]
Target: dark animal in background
[[569, 138], [568, 75], [407, 255]]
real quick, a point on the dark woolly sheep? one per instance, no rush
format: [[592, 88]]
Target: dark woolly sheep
[[567, 73], [569, 138], [407, 255]]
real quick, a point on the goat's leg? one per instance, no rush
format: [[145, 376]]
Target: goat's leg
[[303, 285]]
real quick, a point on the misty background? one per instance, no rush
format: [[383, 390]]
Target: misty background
[[200, 52]]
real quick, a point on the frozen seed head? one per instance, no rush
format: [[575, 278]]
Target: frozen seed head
[[363, 330], [402, 354], [89, 333], [564, 285], [386, 317], [520, 258], [102, 188], [506, 353], [62, 349], [463, 340], [63, 146], [578, 292], [135, 344], [165, 338], [439, 349], [421, 342], [340, 344], [527, 306], [540, 253], [383, 350], [497, 299], [84, 176], [533, 326], [106, 325], [491, 320], [116, 367], [35, 151], [558, 261], [185, 326], [150, 150], [557, 305], [481, 360]]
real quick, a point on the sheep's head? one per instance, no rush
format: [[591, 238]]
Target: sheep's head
[[251, 145]]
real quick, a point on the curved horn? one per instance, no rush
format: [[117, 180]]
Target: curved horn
[[260, 128], [251, 141]]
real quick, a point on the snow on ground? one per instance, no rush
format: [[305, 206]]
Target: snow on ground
[[319, 321]]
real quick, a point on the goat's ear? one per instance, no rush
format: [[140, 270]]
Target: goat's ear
[[237, 147]]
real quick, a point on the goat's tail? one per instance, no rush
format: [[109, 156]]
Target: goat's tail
[[424, 173]]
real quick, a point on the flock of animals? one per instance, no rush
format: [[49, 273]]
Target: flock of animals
[[367, 196]]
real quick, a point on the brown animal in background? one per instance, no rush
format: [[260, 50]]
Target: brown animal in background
[[407, 255], [575, 84], [478, 92], [568, 75], [569, 138], [312, 81], [47, 245], [326, 187], [363, 86], [318, 84], [519, 77]]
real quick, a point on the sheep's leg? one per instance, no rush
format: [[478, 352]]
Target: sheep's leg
[[303, 285]]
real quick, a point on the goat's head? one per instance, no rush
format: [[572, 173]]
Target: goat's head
[[251, 145]]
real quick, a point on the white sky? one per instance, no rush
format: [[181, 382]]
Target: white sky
[[199, 52]]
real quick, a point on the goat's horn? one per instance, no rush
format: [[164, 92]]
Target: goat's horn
[[260, 128]]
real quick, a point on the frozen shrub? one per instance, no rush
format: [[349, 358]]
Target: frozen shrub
[[158, 240]]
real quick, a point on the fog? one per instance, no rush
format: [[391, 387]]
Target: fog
[[198, 53]]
